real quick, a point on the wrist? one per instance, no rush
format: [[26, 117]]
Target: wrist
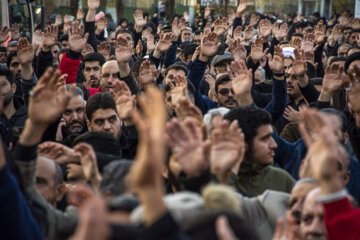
[[46, 48], [303, 80], [278, 74], [157, 54], [32, 133], [325, 96], [203, 58], [244, 99]]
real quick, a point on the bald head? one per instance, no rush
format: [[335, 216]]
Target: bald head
[[109, 74]]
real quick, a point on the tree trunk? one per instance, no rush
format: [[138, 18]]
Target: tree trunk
[[226, 5], [74, 5], [169, 8], [102, 5], [119, 10]]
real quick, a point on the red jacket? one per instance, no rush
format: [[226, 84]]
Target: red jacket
[[342, 220], [70, 67]]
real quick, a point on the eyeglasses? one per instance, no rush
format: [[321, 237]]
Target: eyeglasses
[[226, 91]]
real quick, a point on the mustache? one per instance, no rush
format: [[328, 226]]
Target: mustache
[[230, 99], [75, 122]]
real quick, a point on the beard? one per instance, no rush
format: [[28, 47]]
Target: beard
[[8, 97]]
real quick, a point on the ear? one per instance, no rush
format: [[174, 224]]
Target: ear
[[107, 195], [60, 192], [216, 98], [88, 124], [13, 87], [347, 177], [164, 171]]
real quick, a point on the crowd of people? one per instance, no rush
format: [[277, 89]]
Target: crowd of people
[[233, 127]]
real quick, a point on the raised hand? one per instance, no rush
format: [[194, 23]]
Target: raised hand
[[101, 25], [299, 67], [58, 152], [4, 34], [265, 28], [164, 43], [295, 42], [276, 63], [150, 45], [355, 24], [125, 103], [334, 78], [320, 30], [186, 16], [291, 114], [88, 49], [248, 33], [227, 150], [219, 27], [93, 4], [123, 50], [344, 19], [139, 18], [50, 37], [186, 142], [176, 27], [282, 32], [257, 52], [207, 12], [147, 74], [47, 103], [80, 14], [25, 51], [308, 42], [104, 49], [241, 8], [58, 20], [185, 109], [67, 27], [335, 35], [237, 33], [254, 19], [238, 50], [178, 90], [241, 82], [87, 157], [77, 40], [15, 31], [209, 47]]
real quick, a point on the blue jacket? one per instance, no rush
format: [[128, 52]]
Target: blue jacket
[[16, 220], [290, 155]]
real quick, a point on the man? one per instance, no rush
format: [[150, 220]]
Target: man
[[64, 41], [186, 35], [49, 180], [14, 65], [73, 119], [3, 54], [312, 217], [259, 155], [14, 114], [197, 37], [92, 63], [102, 116], [224, 93], [222, 62]]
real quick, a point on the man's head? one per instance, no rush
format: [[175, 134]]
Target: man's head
[[55, 50], [7, 85], [14, 65], [186, 34], [64, 41], [297, 197], [312, 217], [353, 37], [136, 72], [342, 50], [49, 180], [12, 46], [188, 50], [74, 114], [222, 62], [292, 87], [3, 54], [127, 35], [224, 93], [197, 37], [256, 126], [173, 71], [101, 114], [92, 63], [109, 74], [346, 31]]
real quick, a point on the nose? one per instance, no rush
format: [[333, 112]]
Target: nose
[[107, 126], [75, 116], [273, 144], [317, 227]]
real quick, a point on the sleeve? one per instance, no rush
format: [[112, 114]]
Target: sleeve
[[310, 93], [354, 135], [278, 100], [132, 84], [170, 55], [69, 65], [27, 85], [237, 22], [342, 220], [89, 27], [318, 59], [44, 60], [14, 212]]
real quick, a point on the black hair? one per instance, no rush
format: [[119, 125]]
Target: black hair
[[298, 35], [221, 80], [352, 47], [124, 31], [102, 142], [123, 20], [250, 119], [3, 49], [92, 57], [198, 32], [9, 58], [97, 101], [337, 59], [64, 37], [4, 71], [189, 49], [58, 177], [177, 66]]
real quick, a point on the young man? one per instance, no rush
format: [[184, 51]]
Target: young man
[[259, 155]]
